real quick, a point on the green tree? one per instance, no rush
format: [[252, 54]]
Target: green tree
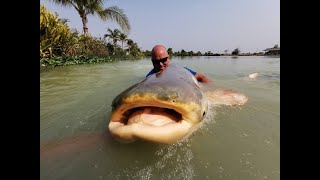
[[86, 7], [170, 51], [235, 52], [198, 53], [133, 48], [183, 53], [147, 53], [113, 35], [122, 38], [209, 53], [54, 33], [130, 44]]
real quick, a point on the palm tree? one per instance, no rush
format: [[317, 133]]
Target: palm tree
[[86, 7], [113, 35], [122, 38], [133, 48], [130, 44]]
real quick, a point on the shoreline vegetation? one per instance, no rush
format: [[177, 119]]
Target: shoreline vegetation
[[63, 46]]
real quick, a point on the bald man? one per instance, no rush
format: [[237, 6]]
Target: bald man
[[161, 60]]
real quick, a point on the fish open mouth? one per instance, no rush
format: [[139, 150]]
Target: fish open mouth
[[155, 116], [161, 124]]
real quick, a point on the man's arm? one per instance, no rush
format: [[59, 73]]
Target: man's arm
[[202, 78]]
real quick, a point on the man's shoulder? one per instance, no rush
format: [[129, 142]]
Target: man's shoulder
[[193, 72], [150, 73]]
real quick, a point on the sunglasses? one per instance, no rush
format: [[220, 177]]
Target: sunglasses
[[163, 60]]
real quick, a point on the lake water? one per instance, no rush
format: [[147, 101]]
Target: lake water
[[240, 143]]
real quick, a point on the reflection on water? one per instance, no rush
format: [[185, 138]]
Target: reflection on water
[[232, 143]]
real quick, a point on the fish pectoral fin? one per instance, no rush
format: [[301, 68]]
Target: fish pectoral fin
[[226, 97]]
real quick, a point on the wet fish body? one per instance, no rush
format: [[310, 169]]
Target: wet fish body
[[164, 108]]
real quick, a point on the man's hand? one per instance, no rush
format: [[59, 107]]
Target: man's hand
[[202, 78]]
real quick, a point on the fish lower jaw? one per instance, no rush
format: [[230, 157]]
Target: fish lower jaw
[[167, 134]]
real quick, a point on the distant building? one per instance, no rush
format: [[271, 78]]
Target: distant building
[[272, 51]]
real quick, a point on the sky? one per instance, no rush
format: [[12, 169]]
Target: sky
[[202, 25]]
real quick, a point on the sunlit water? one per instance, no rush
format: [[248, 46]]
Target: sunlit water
[[233, 143]]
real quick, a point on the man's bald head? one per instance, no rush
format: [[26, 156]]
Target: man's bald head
[[160, 58], [158, 51]]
